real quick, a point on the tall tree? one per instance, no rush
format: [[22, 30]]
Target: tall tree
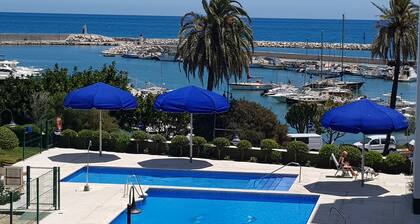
[[219, 42], [300, 115], [396, 40]]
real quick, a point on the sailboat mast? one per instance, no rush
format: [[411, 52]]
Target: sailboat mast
[[342, 49], [322, 51]]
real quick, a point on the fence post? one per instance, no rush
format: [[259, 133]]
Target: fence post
[[28, 186], [55, 188], [58, 188], [46, 134], [37, 200], [11, 207]]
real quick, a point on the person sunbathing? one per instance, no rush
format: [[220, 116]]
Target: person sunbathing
[[345, 164]]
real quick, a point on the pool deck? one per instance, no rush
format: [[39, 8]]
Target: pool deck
[[386, 199]]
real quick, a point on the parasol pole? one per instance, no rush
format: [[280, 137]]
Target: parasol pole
[[100, 132], [363, 160], [191, 137]]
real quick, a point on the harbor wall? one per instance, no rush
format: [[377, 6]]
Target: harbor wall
[[325, 58], [16, 37]]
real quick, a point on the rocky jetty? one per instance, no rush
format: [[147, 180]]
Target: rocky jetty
[[141, 50], [278, 44], [83, 38]]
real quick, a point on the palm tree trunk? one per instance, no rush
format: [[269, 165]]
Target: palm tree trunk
[[394, 91], [210, 80]]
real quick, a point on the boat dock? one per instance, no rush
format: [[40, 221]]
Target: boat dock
[[326, 58]]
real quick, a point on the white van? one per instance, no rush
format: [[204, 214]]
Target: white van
[[314, 141], [377, 143]]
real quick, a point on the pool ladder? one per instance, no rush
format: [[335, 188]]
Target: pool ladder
[[132, 182], [274, 171]]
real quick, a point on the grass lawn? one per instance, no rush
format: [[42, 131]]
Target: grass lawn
[[15, 155]]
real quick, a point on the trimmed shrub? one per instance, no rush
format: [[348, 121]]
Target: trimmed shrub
[[208, 151], [20, 129], [198, 144], [120, 141], [373, 159], [5, 195], [354, 154], [244, 146], [295, 151], [221, 144], [85, 133], [254, 137], [159, 145], [395, 163], [325, 155], [141, 143], [8, 139], [276, 157], [267, 145], [67, 138], [106, 140], [140, 136], [179, 144]]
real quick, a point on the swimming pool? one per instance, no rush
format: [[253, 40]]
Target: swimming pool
[[184, 178], [177, 206]]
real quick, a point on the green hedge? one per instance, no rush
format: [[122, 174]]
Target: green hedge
[[395, 163], [8, 139], [296, 151], [198, 144], [20, 129], [221, 144], [354, 154], [374, 159], [325, 155], [244, 146], [68, 138], [179, 146], [159, 147]]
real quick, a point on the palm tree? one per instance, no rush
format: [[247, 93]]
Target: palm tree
[[396, 40], [219, 42]]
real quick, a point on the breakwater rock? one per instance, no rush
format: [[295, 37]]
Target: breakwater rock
[[141, 50], [88, 38], [278, 44]]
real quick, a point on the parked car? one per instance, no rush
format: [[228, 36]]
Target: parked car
[[377, 143], [314, 141]]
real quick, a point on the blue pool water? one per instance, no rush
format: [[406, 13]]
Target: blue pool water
[[214, 207], [182, 178]]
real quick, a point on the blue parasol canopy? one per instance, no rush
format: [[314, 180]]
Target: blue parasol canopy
[[193, 100], [100, 96], [365, 117]]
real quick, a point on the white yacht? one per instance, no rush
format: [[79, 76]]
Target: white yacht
[[281, 88], [11, 69], [408, 74]]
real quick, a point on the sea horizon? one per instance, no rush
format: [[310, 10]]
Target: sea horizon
[[151, 26], [178, 16]]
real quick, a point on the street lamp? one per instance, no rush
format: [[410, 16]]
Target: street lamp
[[12, 122]]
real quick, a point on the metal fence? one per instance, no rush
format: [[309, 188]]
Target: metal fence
[[32, 201]]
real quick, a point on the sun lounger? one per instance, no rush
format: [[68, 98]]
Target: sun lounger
[[344, 172]]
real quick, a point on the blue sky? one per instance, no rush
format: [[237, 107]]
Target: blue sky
[[323, 9]]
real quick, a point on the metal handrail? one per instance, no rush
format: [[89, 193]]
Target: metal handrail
[[131, 183], [291, 163], [338, 212]]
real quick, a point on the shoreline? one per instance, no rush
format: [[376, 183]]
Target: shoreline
[[23, 39]]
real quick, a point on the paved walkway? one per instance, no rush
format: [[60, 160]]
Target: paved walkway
[[384, 200]]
